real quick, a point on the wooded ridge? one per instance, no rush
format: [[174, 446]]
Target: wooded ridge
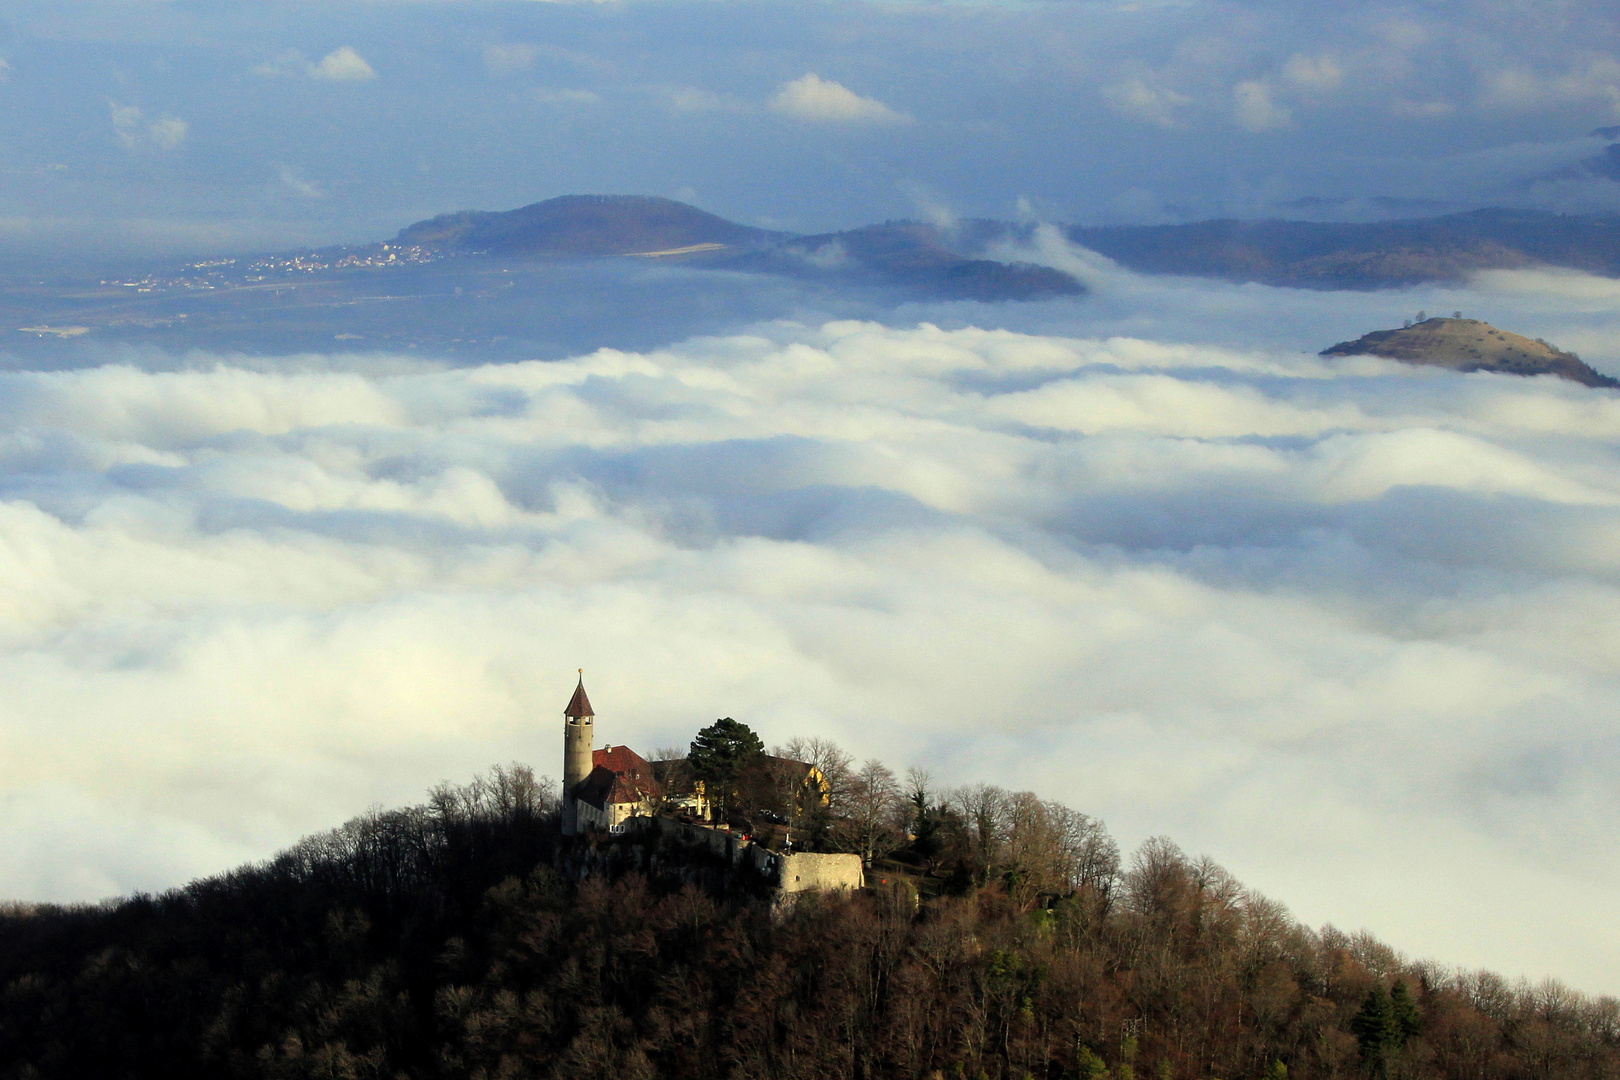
[[1001, 937]]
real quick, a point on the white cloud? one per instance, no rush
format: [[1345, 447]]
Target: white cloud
[[695, 99], [1137, 98], [1255, 110], [1596, 80], [1318, 73], [1422, 110], [824, 101], [290, 62], [167, 132], [343, 64], [504, 58], [1403, 34], [1175, 583], [829, 256], [550, 96], [134, 132], [294, 181]]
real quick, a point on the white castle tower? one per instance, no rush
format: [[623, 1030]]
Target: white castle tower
[[577, 744]]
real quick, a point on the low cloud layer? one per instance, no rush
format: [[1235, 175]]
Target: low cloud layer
[[1347, 626]]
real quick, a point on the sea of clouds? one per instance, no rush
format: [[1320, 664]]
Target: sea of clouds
[[1352, 628]]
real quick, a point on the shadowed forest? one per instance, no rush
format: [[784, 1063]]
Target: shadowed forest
[[1001, 937]]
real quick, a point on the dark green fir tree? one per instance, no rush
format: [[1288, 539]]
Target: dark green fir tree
[[1376, 1030], [720, 754], [1408, 1021]]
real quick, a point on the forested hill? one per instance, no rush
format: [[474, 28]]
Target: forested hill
[[466, 938], [587, 225], [1364, 255]]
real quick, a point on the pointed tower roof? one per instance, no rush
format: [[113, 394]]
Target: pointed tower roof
[[580, 705]]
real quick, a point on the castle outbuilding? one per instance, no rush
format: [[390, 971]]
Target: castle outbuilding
[[620, 786]]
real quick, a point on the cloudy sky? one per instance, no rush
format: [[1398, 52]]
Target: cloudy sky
[[1353, 629], [197, 123]]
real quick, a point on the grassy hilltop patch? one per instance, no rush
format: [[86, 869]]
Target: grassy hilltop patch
[[1472, 345]]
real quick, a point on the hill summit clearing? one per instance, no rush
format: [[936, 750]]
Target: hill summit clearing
[[1472, 345]]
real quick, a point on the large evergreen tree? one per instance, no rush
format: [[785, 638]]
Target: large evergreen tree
[[1404, 1011], [721, 753], [1375, 1028]]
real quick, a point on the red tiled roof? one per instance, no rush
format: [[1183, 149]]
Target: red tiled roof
[[580, 705], [620, 776], [620, 759]]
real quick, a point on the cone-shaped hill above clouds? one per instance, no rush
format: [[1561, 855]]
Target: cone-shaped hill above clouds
[[911, 256], [588, 225], [1471, 345]]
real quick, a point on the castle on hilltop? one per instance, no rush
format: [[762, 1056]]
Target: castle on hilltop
[[615, 790], [603, 788]]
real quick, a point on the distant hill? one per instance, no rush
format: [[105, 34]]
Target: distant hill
[[586, 225], [911, 254], [1471, 345], [908, 255], [565, 275], [1370, 255]]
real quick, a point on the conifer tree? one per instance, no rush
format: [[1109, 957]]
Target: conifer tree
[[720, 754], [1408, 1021], [1375, 1029], [1127, 1058], [1088, 1066]]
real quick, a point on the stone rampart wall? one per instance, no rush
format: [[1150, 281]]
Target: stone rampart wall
[[790, 872], [805, 870]]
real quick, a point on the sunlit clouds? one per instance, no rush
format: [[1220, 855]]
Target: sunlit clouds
[[342, 64], [1348, 626], [824, 101]]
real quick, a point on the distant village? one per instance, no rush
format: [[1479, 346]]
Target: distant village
[[234, 273]]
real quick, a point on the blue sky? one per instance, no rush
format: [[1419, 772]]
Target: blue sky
[[210, 123]]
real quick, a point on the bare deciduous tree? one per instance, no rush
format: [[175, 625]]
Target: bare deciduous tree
[[872, 807], [983, 810], [827, 757]]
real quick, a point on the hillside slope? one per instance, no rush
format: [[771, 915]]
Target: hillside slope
[[467, 939], [908, 256], [913, 255], [1372, 255], [1471, 345], [585, 225]]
